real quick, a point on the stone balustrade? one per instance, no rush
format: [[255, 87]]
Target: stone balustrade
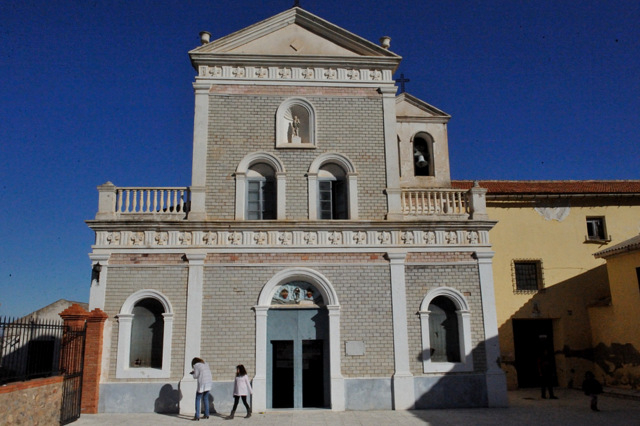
[[121, 202], [448, 203], [429, 202]]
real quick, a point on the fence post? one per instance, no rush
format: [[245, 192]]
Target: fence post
[[74, 319], [93, 361]]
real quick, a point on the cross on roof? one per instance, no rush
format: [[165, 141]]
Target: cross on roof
[[402, 81]]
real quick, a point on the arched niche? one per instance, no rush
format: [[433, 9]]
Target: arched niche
[[154, 301], [296, 124]]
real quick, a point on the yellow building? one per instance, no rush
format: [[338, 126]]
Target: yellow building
[[614, 327], [547, 279]]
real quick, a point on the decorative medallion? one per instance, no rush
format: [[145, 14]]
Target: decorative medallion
[[285, 238], [331, 74], [210, 238], [162, 238], [113, 238], [260, 238], [430, 237], [311, 238], [335, 237], [360, 237], [407, 237], [284, 73], [238, 72], [185, 238], [235, 238], [384, 237], [297, 294]]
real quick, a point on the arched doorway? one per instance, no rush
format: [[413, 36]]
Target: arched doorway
[[298, 348], [297, 343]]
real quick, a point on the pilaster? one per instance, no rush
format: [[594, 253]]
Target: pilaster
[[496, 381], [403, 390], [259, 398], [193, 331], [392, 161], [200, 136]]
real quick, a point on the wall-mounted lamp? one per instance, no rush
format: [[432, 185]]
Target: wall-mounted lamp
[[95, 273]]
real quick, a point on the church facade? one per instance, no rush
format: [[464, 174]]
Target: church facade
[[320, 243]]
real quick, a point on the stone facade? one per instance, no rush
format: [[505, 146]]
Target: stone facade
[[320, 131]]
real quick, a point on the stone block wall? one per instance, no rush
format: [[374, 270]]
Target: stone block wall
[[426, 271], [32, 403], [232, 285], [242, 120], [166, 273]]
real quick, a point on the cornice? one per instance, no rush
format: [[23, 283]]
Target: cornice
[[380, 238]]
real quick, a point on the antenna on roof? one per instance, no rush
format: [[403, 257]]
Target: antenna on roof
[[296, 3]]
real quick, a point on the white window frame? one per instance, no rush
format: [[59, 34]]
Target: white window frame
[[351, 177], [125, 319], [241, 183], [464, 333]]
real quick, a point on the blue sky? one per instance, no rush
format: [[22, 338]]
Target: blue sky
[[96, 91]]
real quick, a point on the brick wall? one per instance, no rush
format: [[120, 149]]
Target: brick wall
[[361, 281], [464, 278], [244, 122], [168, 278]]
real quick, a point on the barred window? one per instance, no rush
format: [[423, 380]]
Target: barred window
[[527, 275]]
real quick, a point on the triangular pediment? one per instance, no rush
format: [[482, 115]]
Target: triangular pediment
[[294, 32], [410, 108]]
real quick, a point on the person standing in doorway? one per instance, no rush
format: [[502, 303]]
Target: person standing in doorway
[[241, 388], [545, 370], [202, 373]]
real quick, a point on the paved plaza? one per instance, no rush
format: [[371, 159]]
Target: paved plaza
[[526, 408]]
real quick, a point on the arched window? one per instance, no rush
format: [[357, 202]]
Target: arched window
[[332, 193], [260, 187], [295, 124], [261, 192], [145, 329], [423, 155], [333, 189], [446, 331], [443, 331]]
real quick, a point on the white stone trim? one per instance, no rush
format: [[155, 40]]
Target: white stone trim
[[241, 182], [403, 395], [295, 75], [193, 329], [125, 317], [330, 297], [464, 332], [496, 380], [357, 238], [352, 182], [97, 294]]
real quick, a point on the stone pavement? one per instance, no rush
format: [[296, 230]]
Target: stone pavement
[[526, 408]]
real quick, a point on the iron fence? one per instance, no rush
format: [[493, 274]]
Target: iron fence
[[29, 349]]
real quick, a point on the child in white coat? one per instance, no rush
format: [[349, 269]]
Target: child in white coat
[[241, 388]]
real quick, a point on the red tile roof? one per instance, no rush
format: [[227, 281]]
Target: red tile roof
[[542, 187]]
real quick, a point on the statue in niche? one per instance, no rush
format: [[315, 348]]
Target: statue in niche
[[296, 126], [297, 294]]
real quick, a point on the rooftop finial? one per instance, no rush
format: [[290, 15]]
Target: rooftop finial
[[205, 36]]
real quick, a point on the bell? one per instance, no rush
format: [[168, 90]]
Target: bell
[[421, 162]]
